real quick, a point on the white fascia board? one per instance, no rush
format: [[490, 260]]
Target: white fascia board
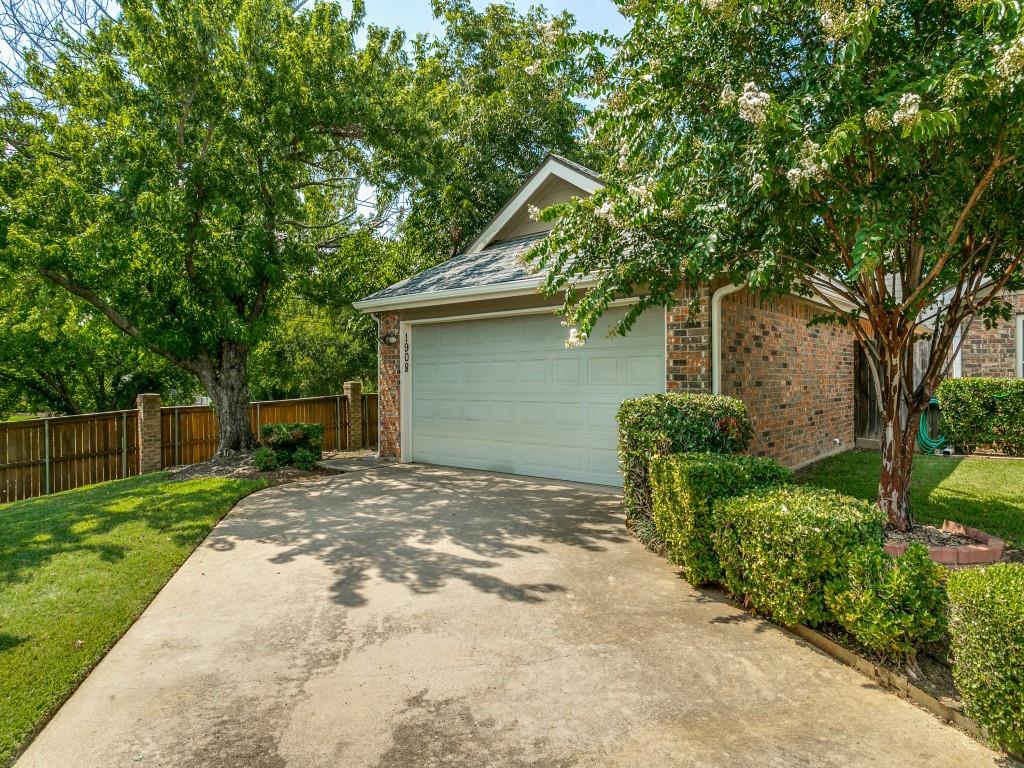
[[550, 167]]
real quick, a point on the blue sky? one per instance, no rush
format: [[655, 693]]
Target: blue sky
[[414, 16]]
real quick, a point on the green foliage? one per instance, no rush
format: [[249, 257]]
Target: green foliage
[[673, 423], [264, 459], [983, 413], [181, 164], [686, 488], [780, 548], [296, 445], [986, 628], [60, 356], [890, 605], [76, 570]]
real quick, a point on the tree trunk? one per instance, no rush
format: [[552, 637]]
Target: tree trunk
[[226, 382], [899, 433]]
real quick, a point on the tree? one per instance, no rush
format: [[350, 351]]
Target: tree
[[497, 106], [180, 163], [60, 355], [867, 154]]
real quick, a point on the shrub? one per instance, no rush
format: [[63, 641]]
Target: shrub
[[986, 630], [673, 423], [890, 605], [780, 547], [983, 413], [685, 489], [299, 445], [264, 459]]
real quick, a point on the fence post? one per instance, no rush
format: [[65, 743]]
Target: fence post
[[354, 395], [46, 454], [149, 432]]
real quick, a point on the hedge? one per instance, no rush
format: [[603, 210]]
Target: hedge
[[986, 630], [983, 413], [673, 423], [780, 548], [298, 445], [891, 606], [685, 489]]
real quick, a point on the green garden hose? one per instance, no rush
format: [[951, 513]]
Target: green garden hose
[[927, 443]]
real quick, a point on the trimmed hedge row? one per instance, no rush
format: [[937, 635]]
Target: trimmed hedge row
[[986, 630], [657, 425], [983, 413], [685, 489]]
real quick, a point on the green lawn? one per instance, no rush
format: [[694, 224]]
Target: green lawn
[[985, 493], [76, 569]]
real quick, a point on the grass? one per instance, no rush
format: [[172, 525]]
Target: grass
[[985, 493], [76, 569]]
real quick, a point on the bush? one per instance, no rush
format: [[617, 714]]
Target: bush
[[264, 459], [779, 548], [986, 630], [673, 423], [890, 605], [983, 413], [298, 445], [685, 489]]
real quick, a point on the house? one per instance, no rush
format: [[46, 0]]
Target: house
[[475, 372], [994, 352]]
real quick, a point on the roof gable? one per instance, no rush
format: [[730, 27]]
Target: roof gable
[[555, 181]]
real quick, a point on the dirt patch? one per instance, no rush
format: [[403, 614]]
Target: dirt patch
[[241, 466], [928, 535]]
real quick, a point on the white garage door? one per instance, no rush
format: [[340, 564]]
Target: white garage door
[[505, 394]]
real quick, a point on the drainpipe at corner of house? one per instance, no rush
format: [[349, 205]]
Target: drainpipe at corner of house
[[376, 319], [716, 335]]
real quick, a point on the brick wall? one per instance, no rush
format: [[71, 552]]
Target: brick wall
[[993, 353], [150, 437], [797, 382], [388, 386], [688, 342]]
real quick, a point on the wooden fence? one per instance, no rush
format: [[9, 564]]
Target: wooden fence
[[48, 455]]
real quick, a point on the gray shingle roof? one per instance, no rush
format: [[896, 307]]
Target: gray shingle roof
[[501, 263]]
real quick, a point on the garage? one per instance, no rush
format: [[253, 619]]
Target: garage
[[504, 393]]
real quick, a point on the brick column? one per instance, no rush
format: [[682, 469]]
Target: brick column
[[354, 394], [688, 342], [389, 399], [149, 437]]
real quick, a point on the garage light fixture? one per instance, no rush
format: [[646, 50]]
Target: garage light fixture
[[389, 338]]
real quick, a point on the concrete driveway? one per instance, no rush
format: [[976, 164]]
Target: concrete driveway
[[419, 616]]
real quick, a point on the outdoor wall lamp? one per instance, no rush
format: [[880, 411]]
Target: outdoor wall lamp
[[389, 338]]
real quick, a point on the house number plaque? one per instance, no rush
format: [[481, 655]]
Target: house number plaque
[[405, 352]]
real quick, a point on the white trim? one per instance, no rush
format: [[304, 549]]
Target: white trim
[[552, 166], [716, 335], [450, 296], [1020, 346], [958, 359], [547, 308], [405, 348]]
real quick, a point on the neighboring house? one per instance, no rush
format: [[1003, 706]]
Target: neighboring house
[[474, 369], [997, 352]]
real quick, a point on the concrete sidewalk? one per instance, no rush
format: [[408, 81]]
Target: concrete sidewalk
[[419, 616]]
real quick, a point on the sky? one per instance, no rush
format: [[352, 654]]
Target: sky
[[414, 16]]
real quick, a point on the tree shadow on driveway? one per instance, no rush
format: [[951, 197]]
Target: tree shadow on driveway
[[424, 526]]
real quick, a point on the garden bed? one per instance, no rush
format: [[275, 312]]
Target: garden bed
[[953, 544]]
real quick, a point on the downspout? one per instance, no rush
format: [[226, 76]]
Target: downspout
[[958, 361], [716, 335]]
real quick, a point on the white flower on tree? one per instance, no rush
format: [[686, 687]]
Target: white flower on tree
[[809, 166], [534, 69], [906, 114], [576, 339], [605, 210], [753, 104], [728, 97], [876, 119], [534, 212], [1011, 63]]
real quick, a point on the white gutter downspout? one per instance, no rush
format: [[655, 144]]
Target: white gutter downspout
[[958, 361], [716, 335]]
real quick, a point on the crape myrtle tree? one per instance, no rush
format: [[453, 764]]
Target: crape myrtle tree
[[180, 162], [867, 155]]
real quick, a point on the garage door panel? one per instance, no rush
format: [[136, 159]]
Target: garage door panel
[[505, 394]]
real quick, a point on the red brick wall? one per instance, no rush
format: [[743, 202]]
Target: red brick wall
[[388, 385], [688, 343], [993, 353], [797, 382]]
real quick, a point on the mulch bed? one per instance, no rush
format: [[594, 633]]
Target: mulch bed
[[241, 466], [928, 535]]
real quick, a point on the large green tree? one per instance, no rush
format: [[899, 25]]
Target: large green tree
[[867, 154], [181, 162]]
